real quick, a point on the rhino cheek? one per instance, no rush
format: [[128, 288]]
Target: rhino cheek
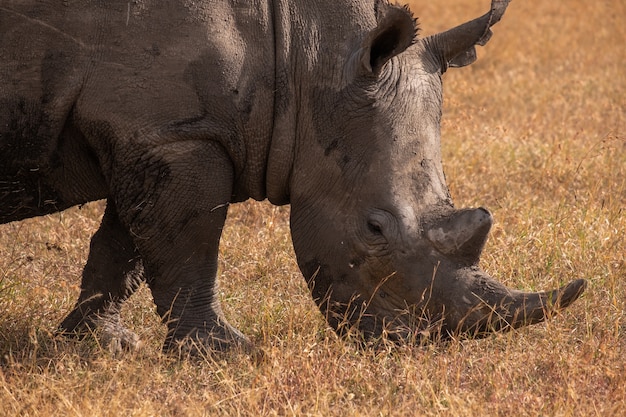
[[339, 281], [334, 295], [320, 252]]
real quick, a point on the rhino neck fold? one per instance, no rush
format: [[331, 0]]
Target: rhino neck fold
[[303, 68], [282, 147]]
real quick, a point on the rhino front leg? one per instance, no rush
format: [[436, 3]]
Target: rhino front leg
[[113, 273], [175, 202]]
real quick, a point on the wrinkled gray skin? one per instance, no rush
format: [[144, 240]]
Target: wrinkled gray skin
[[173, 110]]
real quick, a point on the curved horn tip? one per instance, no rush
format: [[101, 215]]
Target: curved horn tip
[[570, 293]]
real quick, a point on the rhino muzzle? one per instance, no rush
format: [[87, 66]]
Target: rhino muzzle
[[441, 295], [483, 305]]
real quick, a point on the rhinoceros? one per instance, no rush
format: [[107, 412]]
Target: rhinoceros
[[173, 110]]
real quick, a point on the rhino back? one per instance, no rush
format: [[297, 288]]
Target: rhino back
[[87, 84]]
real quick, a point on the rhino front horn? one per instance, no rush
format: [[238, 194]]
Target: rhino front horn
[[501, 309]]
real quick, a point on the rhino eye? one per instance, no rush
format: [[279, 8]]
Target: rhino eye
[[374, 228]]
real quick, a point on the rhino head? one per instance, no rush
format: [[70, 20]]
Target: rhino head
[[373, 224]]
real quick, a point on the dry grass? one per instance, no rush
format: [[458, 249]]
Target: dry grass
[[535, 130]]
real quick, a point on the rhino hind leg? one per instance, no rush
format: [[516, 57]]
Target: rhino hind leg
[[112, 274]]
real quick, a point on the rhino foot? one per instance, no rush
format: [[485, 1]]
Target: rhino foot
[[211, 342], [105, 327], [115, 337]]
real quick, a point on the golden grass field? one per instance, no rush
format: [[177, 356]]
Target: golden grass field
[[535, 130]]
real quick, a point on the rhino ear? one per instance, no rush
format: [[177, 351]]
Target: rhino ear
[[456, 47], [395, 32]]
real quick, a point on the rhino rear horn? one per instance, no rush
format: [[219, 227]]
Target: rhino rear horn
[[456, 47], [462, 234]]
